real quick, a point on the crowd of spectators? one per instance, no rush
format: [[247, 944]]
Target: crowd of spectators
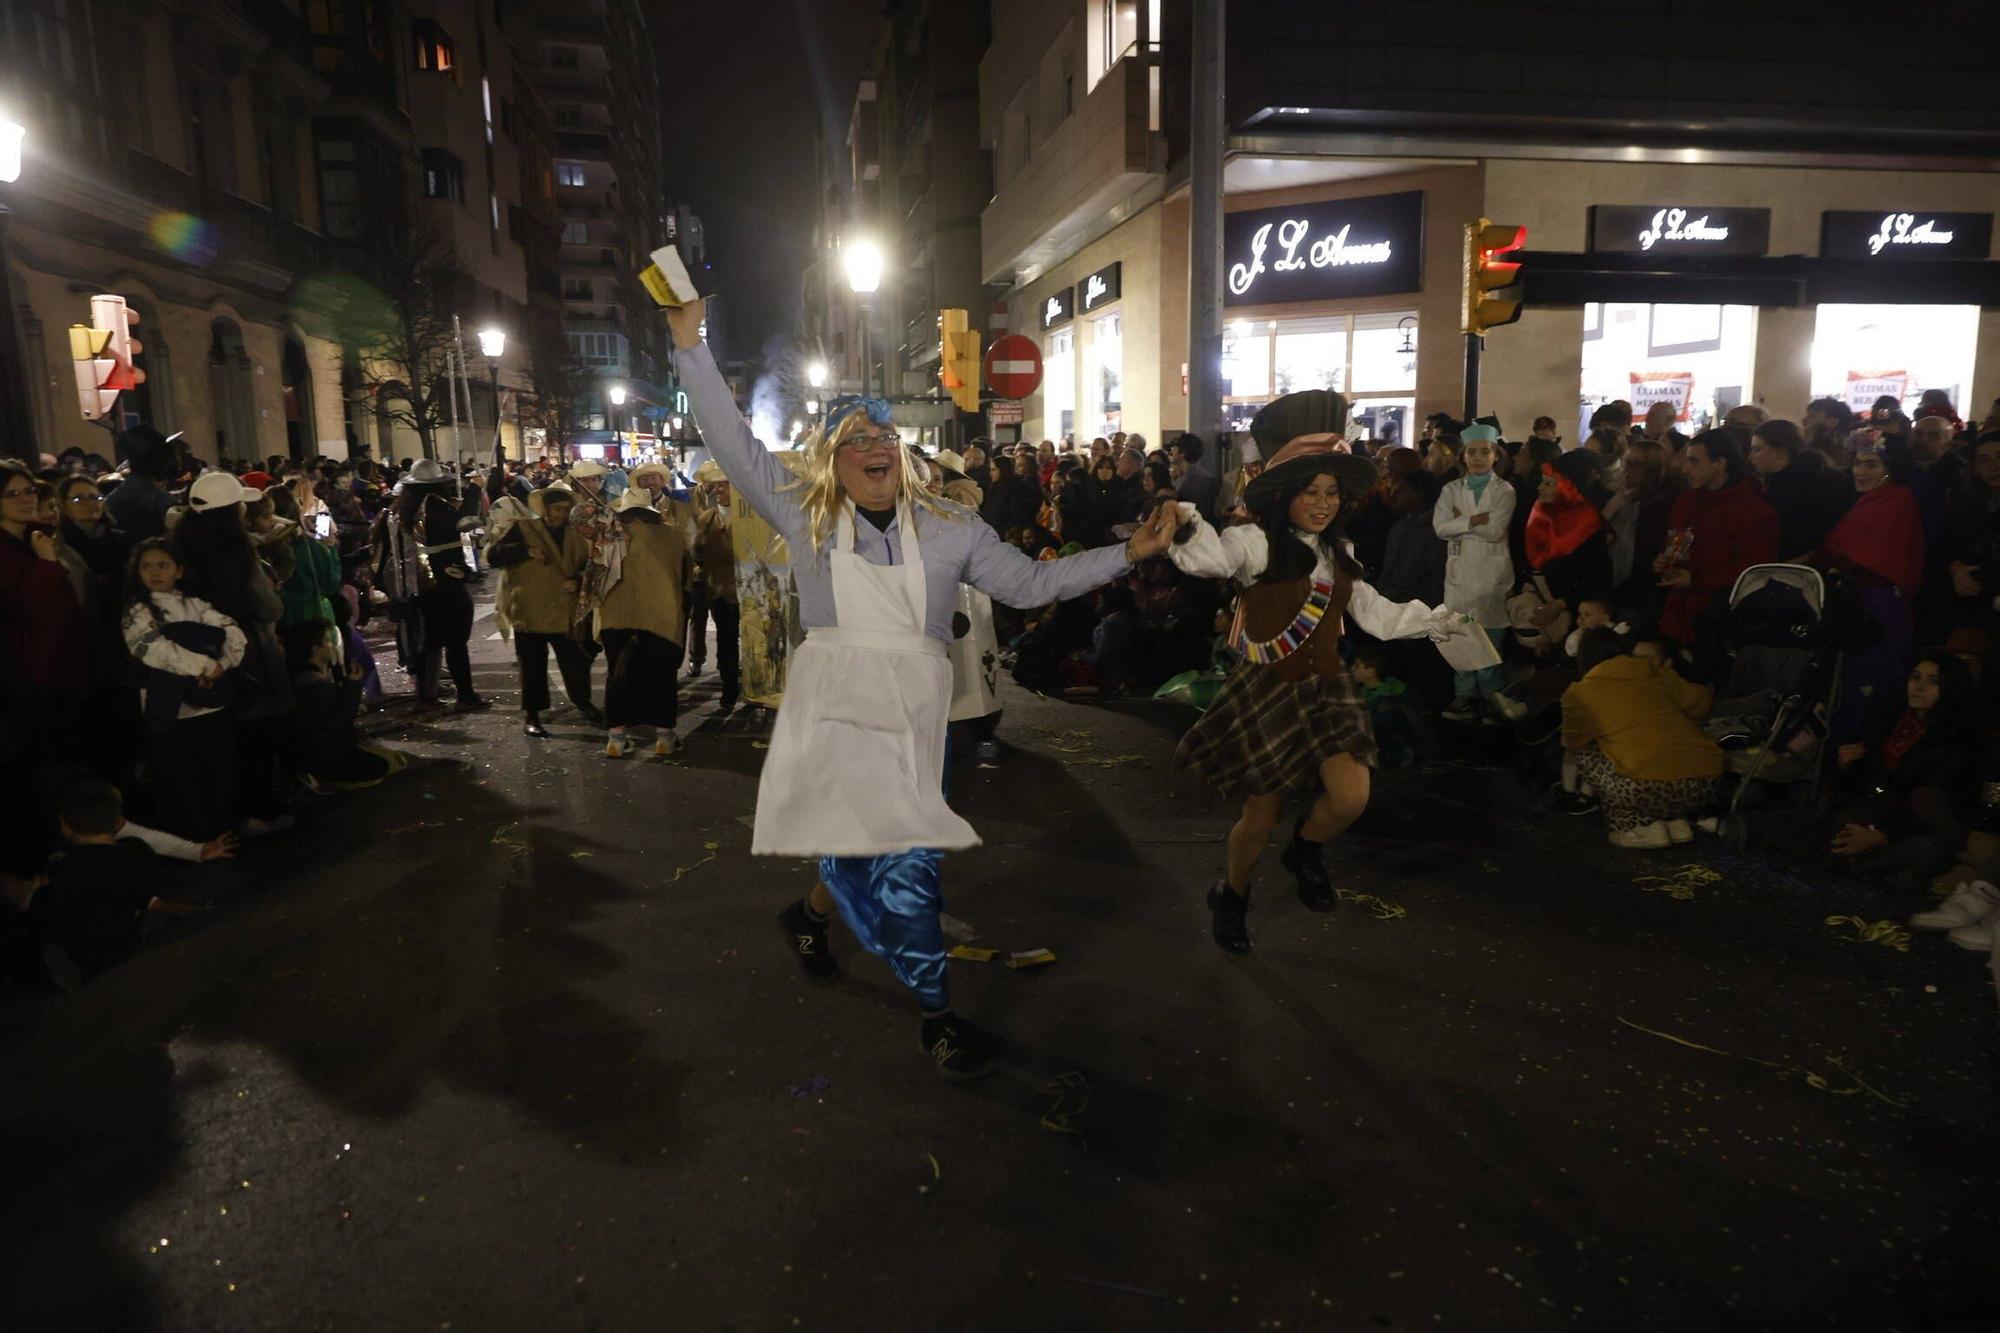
[[1605, 574]]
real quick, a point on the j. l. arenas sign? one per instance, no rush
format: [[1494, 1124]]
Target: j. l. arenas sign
[[1679, 229], [1326, 251], [1895, 234]]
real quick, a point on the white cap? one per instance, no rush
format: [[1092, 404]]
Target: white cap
[[214, 490], [426, 469]]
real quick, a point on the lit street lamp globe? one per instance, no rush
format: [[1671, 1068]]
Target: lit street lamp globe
[[12, 134], [816, 374], [618, 395], [863, 262], [493, 343]]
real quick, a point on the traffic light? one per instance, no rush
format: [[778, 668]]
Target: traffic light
[[102, 352], [958, 359], [1485, 240]]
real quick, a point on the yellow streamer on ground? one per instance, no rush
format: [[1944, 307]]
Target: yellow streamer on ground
[[1681, 884], [1379, 908], [713, 848], [1812, 1079], [1875, 932]]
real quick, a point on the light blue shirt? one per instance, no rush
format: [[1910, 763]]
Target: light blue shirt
[[958, 548]]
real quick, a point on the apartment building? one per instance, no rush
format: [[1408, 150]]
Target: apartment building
[[593, 62], [217, 164]]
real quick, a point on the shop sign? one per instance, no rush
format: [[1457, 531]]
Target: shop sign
[[1662, 386], [1004, 413], [1878, 235], [1058, 308], [1865, 386], [1679, 229], [1102, 287], [1327, 251]]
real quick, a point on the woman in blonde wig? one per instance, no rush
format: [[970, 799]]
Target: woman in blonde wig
[[856, 766]]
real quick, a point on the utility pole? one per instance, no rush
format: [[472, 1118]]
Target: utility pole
[[1205, 223]]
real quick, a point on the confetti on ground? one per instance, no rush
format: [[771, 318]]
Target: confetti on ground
[[962, 931], [1874, 932], [1026, 958], [713, 848], [578, 856], [972, 953], [1107, 761], [1681, 884], [504, 837], [1812, 1079], [1379, 908], [1073, 740]]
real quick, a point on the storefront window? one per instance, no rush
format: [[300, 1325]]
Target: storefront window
[[1371, 358], [1380, 363], [1861, 352], [1246, 358], [1698, 357], [1059, 385], [1309, 359], [1107, 361]]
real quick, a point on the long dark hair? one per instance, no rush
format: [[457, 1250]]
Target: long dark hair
[[1954, 713], [135, 591], [218, 563], [1291, 558]]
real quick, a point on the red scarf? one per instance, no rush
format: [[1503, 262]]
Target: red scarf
[[1883, 534], [1557, 529], [1909, 729]]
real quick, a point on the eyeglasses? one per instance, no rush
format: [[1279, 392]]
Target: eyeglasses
[[20, 493], [862, 444]]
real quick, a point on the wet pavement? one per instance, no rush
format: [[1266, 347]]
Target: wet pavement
[[513, 1042]]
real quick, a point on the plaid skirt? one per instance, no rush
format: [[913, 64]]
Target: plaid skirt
[[1266, 736]]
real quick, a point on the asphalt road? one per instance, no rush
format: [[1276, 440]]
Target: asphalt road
[[514, 1043]]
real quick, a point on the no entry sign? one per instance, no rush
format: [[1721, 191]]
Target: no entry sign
[[1013, 366]]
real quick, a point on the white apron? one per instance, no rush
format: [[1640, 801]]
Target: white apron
[[856, 765]]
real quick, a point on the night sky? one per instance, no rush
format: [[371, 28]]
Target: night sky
[[741, 84]]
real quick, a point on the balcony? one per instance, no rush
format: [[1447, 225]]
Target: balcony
[[1080, 181], [574, 85]]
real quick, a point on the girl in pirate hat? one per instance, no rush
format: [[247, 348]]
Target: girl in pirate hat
[[1289, 719]]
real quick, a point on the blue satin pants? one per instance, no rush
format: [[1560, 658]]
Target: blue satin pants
[[891, 903]]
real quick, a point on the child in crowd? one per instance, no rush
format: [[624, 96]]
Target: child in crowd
[[329, 699], [184, 647], [91, 912], [1591, 613], [1402, 724]]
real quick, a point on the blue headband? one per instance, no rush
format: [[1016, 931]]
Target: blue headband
[[840, 409]]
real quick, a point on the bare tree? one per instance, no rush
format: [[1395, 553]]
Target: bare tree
[[561, 392], [400, 325]]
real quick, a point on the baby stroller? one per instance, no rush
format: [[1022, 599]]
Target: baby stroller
[[1779, 680]]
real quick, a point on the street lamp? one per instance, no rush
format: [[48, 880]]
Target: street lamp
[[493, 345], [816, 374], [14, 421], [617, 396], [862, 260]]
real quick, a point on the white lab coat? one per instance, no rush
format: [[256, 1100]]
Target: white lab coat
[[1478, 571]]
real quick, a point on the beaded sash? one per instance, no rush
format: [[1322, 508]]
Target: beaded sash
[[1292, 637]]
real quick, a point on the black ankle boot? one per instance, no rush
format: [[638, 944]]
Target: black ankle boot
[[808, 938], [533, 727], [1225, 918], [1306, 862]]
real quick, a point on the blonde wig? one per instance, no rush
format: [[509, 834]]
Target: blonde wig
[[824, 496]]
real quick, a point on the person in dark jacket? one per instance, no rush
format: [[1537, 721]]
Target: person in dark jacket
[[1199, 484], [91, 914], [1808, 499], [140, 503], [1413, 555], [1011, 501], [1909, 780], [329, 700]]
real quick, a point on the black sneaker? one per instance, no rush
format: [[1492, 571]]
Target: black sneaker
[[533, 727], [1573, 803], [1225, 918], [1305, 861], [956, 1048], [694, 669], [808, 939]]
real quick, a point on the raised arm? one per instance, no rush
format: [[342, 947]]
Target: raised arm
[[764, 481], [1003, 573]]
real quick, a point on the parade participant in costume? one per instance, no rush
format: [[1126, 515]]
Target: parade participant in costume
[[641, 623], [542, 558], [602, 535], [423, 568], [715, 585], [856, 763], [1289, 719]]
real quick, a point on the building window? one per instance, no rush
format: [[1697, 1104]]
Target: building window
[[444, 175], [566, 114], [578, 289], [565, 57], [339, 191], [1059, 385], [569, 173], [1699, 358], [576, 233], [598, 349], [1361, 356], [435, 51], [1105, 381], [1862, 352]]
